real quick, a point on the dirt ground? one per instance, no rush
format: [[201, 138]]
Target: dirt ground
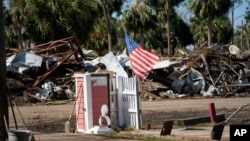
[[47, 121]]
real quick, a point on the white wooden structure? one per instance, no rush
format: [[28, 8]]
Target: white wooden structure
[[121, 94]]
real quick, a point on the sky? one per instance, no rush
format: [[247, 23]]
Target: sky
[[239, 14]]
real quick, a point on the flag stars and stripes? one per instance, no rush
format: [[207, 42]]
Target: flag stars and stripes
[[141, 59]]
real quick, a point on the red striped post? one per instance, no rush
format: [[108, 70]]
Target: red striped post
[[212, 112]]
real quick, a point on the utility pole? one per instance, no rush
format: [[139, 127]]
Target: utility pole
[[235, 4], [242, 47]]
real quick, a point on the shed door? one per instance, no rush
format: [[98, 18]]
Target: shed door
[[100, 96]]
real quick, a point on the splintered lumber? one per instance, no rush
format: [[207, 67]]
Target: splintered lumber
[[149, 95], [33, 96], [207, 68]]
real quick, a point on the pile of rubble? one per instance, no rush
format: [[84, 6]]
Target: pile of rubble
[[208, 71], [44, 72]]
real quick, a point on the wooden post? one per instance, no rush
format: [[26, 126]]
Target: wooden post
[[120, 101], [137, 102], [212, 112]]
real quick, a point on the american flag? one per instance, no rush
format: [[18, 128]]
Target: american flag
[[142, 60]]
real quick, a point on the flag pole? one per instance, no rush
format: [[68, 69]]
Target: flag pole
[[132, 70]]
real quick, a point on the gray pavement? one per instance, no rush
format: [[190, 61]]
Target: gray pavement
[[73, 137], [189, 133], [184, 134]]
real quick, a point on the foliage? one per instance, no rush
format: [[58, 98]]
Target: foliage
[[199, 28], [222, 30], [10, 33], [247, 17], [242, 36], [149, 18], [211, 8], [98, 37], [181, 30], [47, 20], [90, 21], [111, 5], [108, 7], [208, 10], [138, 18]]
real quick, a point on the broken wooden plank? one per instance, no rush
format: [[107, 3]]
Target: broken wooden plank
[[33, 96], [149, 95]]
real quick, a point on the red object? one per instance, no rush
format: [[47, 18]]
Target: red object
[[142, 60], [100, 96], [212, 112]]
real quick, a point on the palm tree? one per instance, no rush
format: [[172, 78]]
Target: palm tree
[[181, 31], [16, 14], [168, 27], [166, 18], [97, 39], [105, 11], [108, 7], [222, 30], [66, 18], [169, 10], [199, 28], [3, 91], [10, 33], [139, 19], [152, 19], [208, 10]]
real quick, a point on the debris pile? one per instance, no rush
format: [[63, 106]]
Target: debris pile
[[44, 72], [207, 72], [30, 70]]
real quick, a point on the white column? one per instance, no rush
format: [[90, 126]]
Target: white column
[[88, 102], [120, 101]]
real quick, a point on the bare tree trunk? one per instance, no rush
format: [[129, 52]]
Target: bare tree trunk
[[162, 48], [142, 43], [209, 33], [3, 80], [168, 29], [20, 38], [241, 36], [248, 44], [108, 26]]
